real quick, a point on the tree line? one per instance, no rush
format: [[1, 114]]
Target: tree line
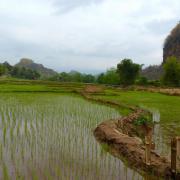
[[109, 77], [126, 73], [18, 72]]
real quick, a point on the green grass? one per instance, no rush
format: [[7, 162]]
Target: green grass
[[168, 106], [16, 85]]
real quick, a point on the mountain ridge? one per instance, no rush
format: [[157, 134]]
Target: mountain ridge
[[30, 64]]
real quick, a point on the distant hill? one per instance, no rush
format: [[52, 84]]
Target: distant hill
[[152, 72], [30, 64]]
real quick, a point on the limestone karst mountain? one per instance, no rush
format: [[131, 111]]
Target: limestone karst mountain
[[171, 48], [152, 72], [172, 44], [30, 64]]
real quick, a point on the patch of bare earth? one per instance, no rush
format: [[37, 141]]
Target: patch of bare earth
[[168, 91], [93, 89]]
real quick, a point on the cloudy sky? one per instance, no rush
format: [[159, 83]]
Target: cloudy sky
[[85, 35]]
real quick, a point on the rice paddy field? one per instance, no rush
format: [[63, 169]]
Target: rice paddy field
[[49, 136], [165, 110], [46, 130]]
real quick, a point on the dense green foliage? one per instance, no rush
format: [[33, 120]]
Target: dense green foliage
[[110, 77], [128, 71], [2, 70], [24, 73], [18, 72], [171, 75], [73, 76], [142, 81], [143, 120]]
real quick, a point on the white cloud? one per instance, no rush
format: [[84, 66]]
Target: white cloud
[[64, 6], [88, 35]]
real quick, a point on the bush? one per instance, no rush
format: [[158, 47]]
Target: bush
[[142, 81], [128, 71], [156, 83], [143, 120], [171, 76]]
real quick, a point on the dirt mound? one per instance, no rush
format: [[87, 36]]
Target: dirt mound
[[93, 89]]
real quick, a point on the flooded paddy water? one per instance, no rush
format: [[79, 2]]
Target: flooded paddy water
[[50, 136], [161, 137]]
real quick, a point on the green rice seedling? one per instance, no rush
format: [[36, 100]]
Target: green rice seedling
[[50, 135], [2, 117], [5, 172], [1, 152], [4, 134]]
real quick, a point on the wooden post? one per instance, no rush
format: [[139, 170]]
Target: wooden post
[[148, 145], [178, 154], [175, 155]]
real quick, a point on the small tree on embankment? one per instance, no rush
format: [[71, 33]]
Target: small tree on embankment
[[128, 71], [171, 76]]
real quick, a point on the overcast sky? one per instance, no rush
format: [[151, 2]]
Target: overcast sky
[[85, 35]]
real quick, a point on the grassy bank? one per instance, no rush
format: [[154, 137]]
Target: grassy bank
[[168, 107]]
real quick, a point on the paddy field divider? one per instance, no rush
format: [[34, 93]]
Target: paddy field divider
[[121, 135]]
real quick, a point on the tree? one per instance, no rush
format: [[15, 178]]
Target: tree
[[7, 66], [171, 76], [112, 77], [15, 72], [64, 77], [101, 79], [24, 73], [88, 78], [142, 81], [2, 69], [109, 77], [128, 71], [75, 76]]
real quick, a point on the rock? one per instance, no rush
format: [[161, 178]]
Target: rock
[[172, 44]]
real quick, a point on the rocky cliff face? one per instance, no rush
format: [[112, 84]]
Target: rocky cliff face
[[152, 72], [172, 44]]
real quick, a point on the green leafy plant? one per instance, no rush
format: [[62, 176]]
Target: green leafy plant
[[143, 120]]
